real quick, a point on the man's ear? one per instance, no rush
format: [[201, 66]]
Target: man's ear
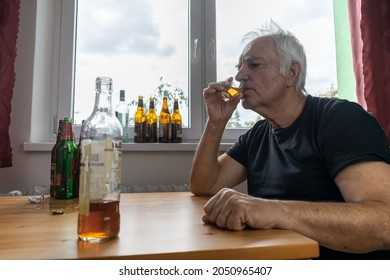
[[293, 74]]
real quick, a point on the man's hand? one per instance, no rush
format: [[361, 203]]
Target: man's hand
[[218, 109], [234, 210]]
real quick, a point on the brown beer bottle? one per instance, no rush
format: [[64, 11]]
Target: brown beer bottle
[[176, 123], [100, 169], [164, 121], [66, 162], [53, 164], [78, 161], [151, 123], [140, 122]]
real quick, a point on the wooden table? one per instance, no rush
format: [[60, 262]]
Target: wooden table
[[153, 226]]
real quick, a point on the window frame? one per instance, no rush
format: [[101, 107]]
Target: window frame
[[202, 58], [202, 63]]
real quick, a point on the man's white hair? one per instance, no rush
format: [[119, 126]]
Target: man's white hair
[[288, 47]]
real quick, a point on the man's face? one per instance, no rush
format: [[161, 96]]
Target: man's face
[[258, 71]]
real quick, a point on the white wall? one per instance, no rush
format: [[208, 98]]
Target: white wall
[[31, 168]]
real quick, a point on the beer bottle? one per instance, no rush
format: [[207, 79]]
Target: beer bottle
[[66, 161], [100, 169], [176, 123], [78, 161], [140, 122], [151, 123], [164, 121], [53, 163], [122, 113]]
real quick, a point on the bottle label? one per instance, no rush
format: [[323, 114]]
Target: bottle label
[[139, 132], [176, 133], [100, 170], [52, 173], [151, 132]]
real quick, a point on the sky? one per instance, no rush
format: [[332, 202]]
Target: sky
[[137, 42]]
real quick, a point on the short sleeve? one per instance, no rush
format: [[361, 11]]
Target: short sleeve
[[350, 135], [239, 150]]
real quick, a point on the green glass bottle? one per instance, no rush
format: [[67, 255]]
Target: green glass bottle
[[54, 170], [67, 162]]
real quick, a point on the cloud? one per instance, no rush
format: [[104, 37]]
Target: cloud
[[120, 28]]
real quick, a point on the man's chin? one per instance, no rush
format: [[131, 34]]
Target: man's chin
[[245, 104]]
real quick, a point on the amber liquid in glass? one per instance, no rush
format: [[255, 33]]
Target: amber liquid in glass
[[230, 93], [102, 223]]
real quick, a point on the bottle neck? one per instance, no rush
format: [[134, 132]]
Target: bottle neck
[[103, 101], [67, 132], [176, 106], [60, 128], [122, 96], [165, 106], [140, 103]]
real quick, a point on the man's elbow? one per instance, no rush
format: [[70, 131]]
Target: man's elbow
[[200, 189]]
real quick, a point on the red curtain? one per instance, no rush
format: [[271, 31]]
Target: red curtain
[[9, 26], [370, 34]]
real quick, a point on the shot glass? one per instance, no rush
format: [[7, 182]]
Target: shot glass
[[231, 92]]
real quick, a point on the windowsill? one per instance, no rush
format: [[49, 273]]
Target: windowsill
[[131, 147]]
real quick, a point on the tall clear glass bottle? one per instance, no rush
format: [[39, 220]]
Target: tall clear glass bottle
[[151, 123], [100, 169], [176, 123], [122, 113], [164, 122]]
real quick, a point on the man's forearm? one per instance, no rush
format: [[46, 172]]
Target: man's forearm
[[205, 167], [350, 227]]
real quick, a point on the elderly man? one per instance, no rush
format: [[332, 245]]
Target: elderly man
[[317, 166]]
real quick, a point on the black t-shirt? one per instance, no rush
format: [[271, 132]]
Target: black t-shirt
[[301, 161]]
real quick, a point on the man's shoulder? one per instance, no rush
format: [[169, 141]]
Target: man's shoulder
[[330, 104], [335, 108]]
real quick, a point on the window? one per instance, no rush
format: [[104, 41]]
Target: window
[[186, 44], [310, 21], [141, 45]]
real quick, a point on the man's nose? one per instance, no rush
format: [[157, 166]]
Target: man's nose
[[241, 76]]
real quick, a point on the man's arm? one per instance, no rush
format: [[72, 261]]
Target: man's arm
[[361, 224], [211, 172]]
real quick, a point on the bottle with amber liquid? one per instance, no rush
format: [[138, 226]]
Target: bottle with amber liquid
[[140, 122], [176, 123], [100, 169], [66, 163], [78, 161], [164, 122], [53, 164], [151, 123]]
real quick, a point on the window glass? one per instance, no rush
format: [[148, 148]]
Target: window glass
[[141, 44], [310, 21]]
